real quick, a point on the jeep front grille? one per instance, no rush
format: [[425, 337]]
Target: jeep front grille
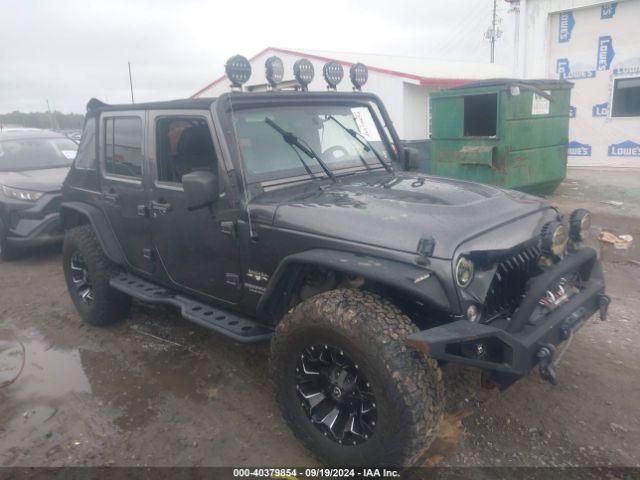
[[510, 281]]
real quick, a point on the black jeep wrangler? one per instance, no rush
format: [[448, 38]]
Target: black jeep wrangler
[[293, 216]]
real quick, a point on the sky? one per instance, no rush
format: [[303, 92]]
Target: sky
[[67, 51]]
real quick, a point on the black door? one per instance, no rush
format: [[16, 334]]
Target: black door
[[123, 188], [196, 248]]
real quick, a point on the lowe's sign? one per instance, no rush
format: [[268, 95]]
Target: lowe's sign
[[600, 110], [564, 71], [625, 149], [565, 27], [608, 10], [605, 53], [577, 149]]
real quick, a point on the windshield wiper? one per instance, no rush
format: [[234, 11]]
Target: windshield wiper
[[293, 140], [365, 143]]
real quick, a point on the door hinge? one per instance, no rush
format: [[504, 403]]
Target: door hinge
[[148, 254], [228, 228], [233, 279]]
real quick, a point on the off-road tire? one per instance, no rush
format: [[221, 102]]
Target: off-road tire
[[109, 305], [407, 385]]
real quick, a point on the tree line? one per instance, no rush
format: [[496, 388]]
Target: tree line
[[54, 120]]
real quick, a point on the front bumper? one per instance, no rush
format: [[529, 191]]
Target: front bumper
[[32, 224], [514, 351]]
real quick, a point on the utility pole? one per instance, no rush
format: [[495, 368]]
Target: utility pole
[[130, 82], [493, 28], [494, 32]]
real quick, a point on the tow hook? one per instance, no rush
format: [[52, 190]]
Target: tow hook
[[604, 301], [547, 353]]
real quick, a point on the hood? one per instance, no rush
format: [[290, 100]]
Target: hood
[[43, 180], [396, 211]]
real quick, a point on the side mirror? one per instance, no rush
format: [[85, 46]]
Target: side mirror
[[201, 189], [411, 158]]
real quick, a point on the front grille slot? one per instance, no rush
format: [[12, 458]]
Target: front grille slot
[[510, 281]]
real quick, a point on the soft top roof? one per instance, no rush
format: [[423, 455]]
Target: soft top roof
[[94, 105], [506, 82]]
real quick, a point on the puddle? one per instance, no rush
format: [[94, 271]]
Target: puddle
[[450, 434], [47, 372], [34, 374]]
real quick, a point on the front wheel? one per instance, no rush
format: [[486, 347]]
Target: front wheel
[[349, 387], [7, 252]]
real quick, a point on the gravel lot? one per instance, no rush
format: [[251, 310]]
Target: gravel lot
[[158, 391]]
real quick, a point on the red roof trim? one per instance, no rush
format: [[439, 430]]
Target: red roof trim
[[424, 81]]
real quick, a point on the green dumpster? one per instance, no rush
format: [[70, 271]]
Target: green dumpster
[[511, 133]]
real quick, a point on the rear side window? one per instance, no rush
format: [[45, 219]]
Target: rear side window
[[123, 146], [86, 158]]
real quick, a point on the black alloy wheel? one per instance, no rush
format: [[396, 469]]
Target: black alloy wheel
[[81, 278], [335, 395]]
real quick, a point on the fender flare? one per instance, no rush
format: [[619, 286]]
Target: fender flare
[[108, 241], [401, 276]]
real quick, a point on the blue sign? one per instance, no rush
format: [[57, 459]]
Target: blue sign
[[564, 71], [628, 67], [572, 112], [577, 149], [565, 27], [600, 110], [625, 149], [605, 53], [608, 10]]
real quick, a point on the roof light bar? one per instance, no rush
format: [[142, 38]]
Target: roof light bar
[[359, 75], [303, 72], [238, 70], [274, 71], [333, 74]]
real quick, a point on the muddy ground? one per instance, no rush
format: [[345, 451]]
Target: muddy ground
[[158, 391]]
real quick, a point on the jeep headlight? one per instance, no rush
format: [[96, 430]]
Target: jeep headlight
[[19, 194], [464, 272], [579, 224], [554, 238]]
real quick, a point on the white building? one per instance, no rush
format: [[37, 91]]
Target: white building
[[596, 45], [403, 83]]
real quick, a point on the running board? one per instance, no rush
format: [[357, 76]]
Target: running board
[[231, 325]]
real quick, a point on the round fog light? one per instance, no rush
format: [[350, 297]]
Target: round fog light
[[473, 314]]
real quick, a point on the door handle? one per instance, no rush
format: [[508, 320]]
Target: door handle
[[110, 195], [159, 208]]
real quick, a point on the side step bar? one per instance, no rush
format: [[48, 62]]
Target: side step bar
[[231, 325]]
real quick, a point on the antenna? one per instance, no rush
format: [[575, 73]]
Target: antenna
[[131, 83], [52, 120]]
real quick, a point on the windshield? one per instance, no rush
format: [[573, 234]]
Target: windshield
[[34, 153], [343, 137]]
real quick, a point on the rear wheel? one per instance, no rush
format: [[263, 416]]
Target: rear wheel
[[349, 387], [87, 272]]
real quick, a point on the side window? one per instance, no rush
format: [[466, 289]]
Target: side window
[[123, 146], [183, 145], [86, 157]]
